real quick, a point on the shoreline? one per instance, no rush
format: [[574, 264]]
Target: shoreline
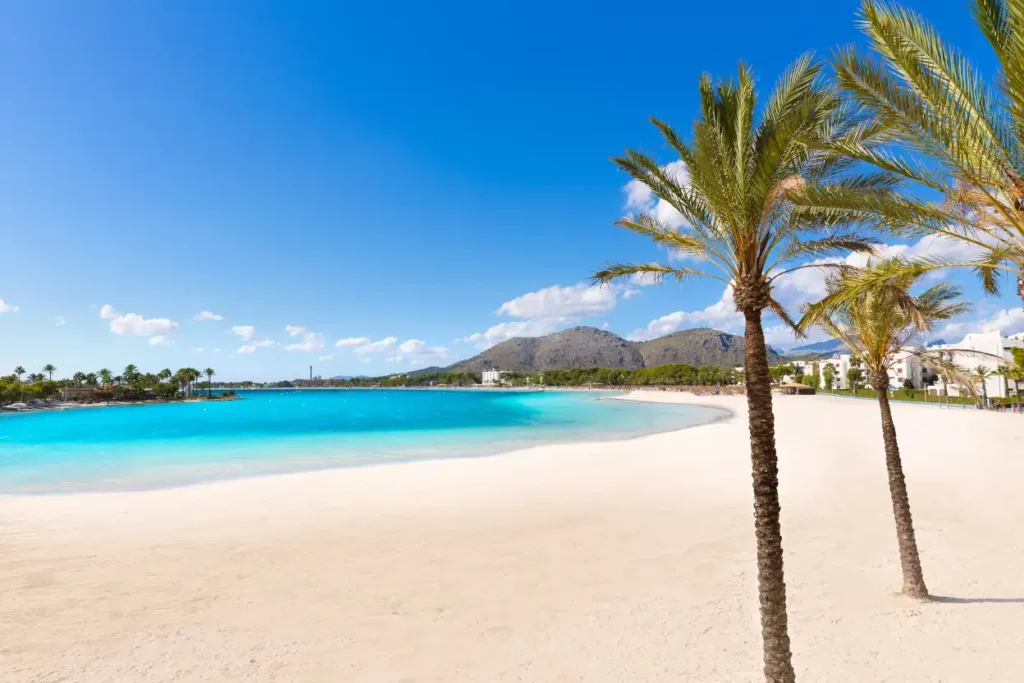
[[720, 413], [593, 561]]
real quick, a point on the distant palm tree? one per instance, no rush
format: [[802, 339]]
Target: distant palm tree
[[106, 377], [36, 377], [877, 325], [79, 378], [19, 371], [50, 368], [982, 373], [733, 186], [164, 375], [1004, 373], [209, 372], [91, 380]]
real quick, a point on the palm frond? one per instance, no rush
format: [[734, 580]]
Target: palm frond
[[659, 271]]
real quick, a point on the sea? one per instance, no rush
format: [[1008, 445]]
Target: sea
[[140, 447]]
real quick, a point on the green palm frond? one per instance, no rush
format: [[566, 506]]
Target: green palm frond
[[617, 271], [929, 100]]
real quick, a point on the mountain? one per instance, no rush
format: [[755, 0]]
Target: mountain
[[827, 346], [699, 346], [577, 347], [587, 347]]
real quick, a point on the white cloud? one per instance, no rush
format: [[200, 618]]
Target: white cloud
[[644, 279], [311, 341], [327, 357], [721, 315], [1007, 321], [413, 351], [252, 346], [352, 341], [198, 349], [551, 308], [504, 331], [382, 346], [132, 324], [294, 330], [58, 320], [7, 308], [579, 300], [640, 197], [244, 331], [207, 315]]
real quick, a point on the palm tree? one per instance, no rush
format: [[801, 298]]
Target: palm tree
[[929, 100], [854, 376], [79, 378], [1004, 374], [982, 373], [106, 377], [209, 372], [877, 325], [19, 371], [164, 375], [50, 368], [735, 198], [91, 380]]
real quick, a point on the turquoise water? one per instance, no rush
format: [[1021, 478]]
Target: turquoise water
[[152, 446]]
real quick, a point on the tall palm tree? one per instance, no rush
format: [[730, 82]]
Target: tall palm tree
[[929, 100], [19, 371], [735, 199], [79, 378], [877, 326], [982, 373], [50, 368], [209, 372], [164, 375], [106, 377]]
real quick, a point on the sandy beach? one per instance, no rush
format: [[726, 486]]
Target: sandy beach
[[629, 561]]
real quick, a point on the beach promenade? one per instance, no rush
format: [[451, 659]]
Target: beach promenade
[[627, 561]]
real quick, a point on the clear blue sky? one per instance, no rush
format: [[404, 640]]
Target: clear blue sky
[[370, 171]]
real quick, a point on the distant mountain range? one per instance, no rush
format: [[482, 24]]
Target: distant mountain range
[[829, 346], [587, 347]]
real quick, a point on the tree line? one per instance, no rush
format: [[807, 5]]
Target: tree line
[[104, 385]]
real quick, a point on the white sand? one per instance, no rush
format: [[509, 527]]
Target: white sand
[[631, 561]]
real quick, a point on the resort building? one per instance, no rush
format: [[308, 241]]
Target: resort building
[[906, 367], [492, 377], [990, 343]]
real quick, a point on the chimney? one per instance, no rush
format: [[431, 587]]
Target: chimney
[[310, 372]]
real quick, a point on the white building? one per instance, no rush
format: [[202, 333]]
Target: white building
[[492, 377], [991, 343], [905, 367]]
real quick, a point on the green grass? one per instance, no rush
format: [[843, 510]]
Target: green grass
[[914, 395]]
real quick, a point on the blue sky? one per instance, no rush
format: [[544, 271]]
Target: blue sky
[[417, 179]]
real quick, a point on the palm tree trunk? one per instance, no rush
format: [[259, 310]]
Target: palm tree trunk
[[1020, 287], [771, 584], [910, 560]]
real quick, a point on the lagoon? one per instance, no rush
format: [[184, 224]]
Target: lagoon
[[279, 431]]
